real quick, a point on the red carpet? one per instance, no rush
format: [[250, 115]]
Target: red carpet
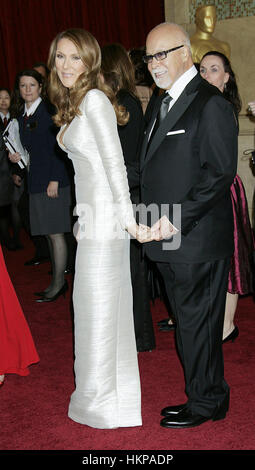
[[33, 409]]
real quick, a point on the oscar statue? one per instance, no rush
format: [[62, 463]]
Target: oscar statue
[[203, 41]]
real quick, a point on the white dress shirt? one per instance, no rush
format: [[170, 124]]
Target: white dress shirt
[[29, 111], [178, 86], [2, 115], [167, 229]]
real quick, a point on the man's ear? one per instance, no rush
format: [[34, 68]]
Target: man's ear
[[186, 54]]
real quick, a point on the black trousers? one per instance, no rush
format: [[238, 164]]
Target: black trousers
[[144, 331], [197, 294]]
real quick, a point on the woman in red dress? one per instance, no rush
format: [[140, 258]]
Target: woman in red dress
[[17, 349]]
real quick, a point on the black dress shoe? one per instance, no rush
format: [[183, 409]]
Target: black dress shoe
[[167, 327], [13, 246], [36, 261], [10, 245], [40, 294], [19, 246], [172, 410], [163, 322], [67, 271], [185, 419], [61, 291], [232, 336]]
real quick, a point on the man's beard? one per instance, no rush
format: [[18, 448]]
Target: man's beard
[[162, 81]]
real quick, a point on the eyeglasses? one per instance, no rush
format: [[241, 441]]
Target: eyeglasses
[[159, 55]]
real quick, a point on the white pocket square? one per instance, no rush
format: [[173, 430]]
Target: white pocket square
[[181, 131]]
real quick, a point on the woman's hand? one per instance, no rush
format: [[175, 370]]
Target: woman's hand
[[17, 180], [141, 232], [163, 229], [52, 189], [14, 157]]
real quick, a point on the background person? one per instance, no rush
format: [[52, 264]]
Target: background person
[[251, 107], [215, 67], [118, 74], [12, 214], [6, 197], [47, 179], [143, 80]]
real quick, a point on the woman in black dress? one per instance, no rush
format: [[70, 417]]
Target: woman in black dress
[[118, 73], [216, 69]]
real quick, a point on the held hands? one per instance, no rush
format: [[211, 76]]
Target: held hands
[[142, 233], [162, 229]]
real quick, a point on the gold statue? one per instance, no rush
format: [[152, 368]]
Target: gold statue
[[203, 41]]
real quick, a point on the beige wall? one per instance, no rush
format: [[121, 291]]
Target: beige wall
[[240, 34]]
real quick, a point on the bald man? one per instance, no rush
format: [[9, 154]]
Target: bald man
[[188, 163]]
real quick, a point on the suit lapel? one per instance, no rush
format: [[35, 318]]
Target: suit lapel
[[178, 109], [149, 127]]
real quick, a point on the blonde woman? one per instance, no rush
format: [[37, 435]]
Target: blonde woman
[[107, 393]]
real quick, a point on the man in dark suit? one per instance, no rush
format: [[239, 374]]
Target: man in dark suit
[[189, 159]]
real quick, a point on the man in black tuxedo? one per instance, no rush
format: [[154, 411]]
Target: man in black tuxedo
[[189, 158]]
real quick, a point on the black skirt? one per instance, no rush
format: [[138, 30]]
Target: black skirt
[[50, 215]]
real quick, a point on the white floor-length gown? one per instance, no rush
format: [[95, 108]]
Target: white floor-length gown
[[107, 393]]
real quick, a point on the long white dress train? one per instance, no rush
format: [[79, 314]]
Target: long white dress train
[[107, 393]]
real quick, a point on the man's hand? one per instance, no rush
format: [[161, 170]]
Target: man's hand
[[163, 229]]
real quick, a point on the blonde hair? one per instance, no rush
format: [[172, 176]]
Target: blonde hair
[[66, 100]]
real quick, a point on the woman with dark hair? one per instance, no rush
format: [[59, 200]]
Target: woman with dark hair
[[143, 78], [47, 179], [42, 68], [5, 101], [107, 393], [216, 69], [118, 73], [9, 215], [227, 82]]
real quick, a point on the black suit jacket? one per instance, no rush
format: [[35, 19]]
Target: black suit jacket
[[47, 160], [6, 182], [193, 168]]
